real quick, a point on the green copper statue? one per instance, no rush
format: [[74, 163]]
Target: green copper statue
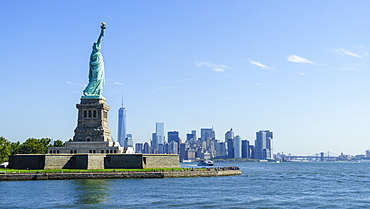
[[96, 73]]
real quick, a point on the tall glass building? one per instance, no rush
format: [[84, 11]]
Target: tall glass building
[[237, 147], [229, 135], [128, 141], [159, 130], [139, 147], [158, 139], [245, 149], [173, 136], [122, 126], [207, 133], [263, 145]]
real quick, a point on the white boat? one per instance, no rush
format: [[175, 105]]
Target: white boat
[[205, 163], [4, 165]]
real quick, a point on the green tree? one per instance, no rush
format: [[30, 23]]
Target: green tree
[[58, 143], [15, 148], [35, 146], [4, 149], [46, 143]]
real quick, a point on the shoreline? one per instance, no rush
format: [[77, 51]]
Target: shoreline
[[116, 175]]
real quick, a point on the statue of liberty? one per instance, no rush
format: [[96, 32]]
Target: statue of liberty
[[96, 73]]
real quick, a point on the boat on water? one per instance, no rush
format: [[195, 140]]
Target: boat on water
[[205, 163]]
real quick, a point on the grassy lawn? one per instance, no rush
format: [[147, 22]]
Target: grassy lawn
[[6, 170]]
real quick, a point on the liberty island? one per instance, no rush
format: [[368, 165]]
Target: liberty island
[[92, 146]]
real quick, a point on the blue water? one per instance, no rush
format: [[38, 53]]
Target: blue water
[[262, 185]]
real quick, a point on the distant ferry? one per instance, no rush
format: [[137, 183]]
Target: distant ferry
[[205, 163]]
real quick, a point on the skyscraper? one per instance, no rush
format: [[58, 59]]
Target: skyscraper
[[154, 143], [173, 142], [191, 138], [263, 145], [207, 133], [252, 153], [146, 148], [194, 132], [122, 126], [173, 136], [128, 141], [159, 130], [173, 147], [237, 147], [245, 149], [221, 151], [158, 139], [230, 148], [229, 138], [183, 152], [229, 135], [139, 147]]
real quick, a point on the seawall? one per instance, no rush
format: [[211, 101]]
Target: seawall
[[116, 175], [93, 161]]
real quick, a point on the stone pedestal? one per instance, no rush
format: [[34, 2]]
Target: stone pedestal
[[92, 134], [92, 123]]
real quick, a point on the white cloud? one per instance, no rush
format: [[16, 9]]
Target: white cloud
[[302, 73], [217, 69], [77, 84], [259, 64], [295, 58], [210, 65], [345, 52], [118, 83], [164, 88]]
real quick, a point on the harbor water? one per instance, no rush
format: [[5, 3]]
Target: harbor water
[[262, 185]]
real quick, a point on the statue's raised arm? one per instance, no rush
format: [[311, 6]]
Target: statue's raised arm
[[96, 73], [102, 32]]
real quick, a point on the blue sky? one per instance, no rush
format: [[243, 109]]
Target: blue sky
[[298, 68]]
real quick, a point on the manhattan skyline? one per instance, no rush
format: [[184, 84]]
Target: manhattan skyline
[[300, 69]]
